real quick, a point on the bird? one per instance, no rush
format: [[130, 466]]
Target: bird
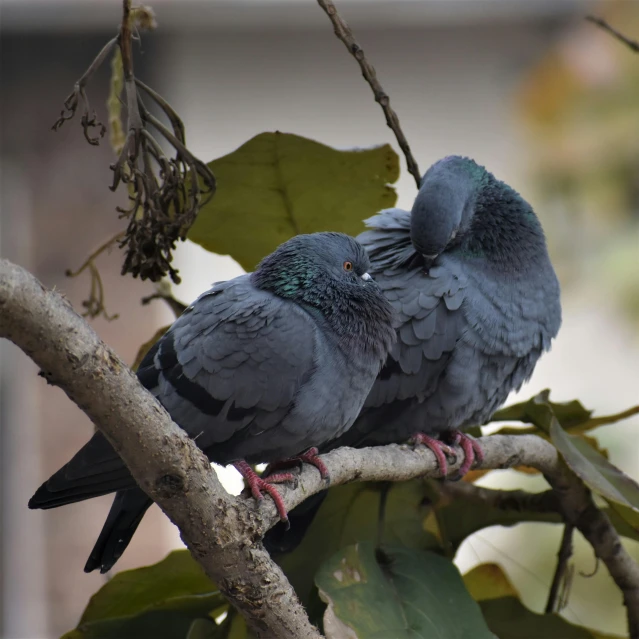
[[469, 275], [262, 368]]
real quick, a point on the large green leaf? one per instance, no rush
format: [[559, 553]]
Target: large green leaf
[[160, 601], [594, 469], [508, 618], [397, 592], [581, 453], [350, 514], [277, 185]]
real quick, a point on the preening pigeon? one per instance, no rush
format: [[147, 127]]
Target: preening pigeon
[[468, 272], [258, 369]]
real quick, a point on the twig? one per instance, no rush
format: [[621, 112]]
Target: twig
[[512, 500], [344, 33], [223, 532], [94, 304], [561, 572], [89, 120], [633, 45], [163, 292]]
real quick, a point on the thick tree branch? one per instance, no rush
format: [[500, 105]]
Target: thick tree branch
[[344, 33], [224, 533]]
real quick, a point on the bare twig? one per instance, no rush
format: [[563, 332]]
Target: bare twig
[[89, 119], [223, 532], [344, 33], [94, 305], [163, 292], [561, 576], [633, 45]]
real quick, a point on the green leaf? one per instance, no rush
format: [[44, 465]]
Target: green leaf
[[594, 469], [278, 185], [624, 519], [535, 411], [206, 629], [508, 618], [571, 415], [350, 514], [160, 601], [398, 592]]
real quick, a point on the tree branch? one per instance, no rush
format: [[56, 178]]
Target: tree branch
[[223, 532], [344, 33], [633, 45], [562, 573]]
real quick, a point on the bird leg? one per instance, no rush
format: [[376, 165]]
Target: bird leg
[[439, 448], [257, 486], [311, 456], [472, 450]]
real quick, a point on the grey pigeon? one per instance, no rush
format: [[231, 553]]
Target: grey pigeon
[[468, 272], [258, 369]]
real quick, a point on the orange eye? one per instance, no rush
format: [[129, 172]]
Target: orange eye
[[348, 266]]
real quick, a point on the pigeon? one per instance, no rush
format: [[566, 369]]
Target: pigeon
[[262, 368], [468, 272]]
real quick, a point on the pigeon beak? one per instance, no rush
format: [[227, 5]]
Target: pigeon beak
[[428, 260], [366, 277]]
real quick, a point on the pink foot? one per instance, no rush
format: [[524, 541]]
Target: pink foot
[[258, 485], [439, 448], [311, 456], [472, 451]]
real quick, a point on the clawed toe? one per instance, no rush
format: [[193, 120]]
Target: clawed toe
[[258, 486], [439, 448], [311, 456], [471, 449], [473, 453]]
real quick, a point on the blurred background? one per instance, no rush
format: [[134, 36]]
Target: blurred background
[[544, 100]]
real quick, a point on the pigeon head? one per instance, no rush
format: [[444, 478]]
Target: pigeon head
[[328, 273], [462, 207], [305, 264], [444, 204]]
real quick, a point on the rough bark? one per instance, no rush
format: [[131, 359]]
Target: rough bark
[[224, 532]]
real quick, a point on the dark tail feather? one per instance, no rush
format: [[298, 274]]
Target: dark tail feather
[[96, 469], [279, 540], [124, 517]]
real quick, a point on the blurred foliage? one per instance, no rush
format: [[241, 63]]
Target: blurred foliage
[[278, 185], [508, 618], [579, 105]]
